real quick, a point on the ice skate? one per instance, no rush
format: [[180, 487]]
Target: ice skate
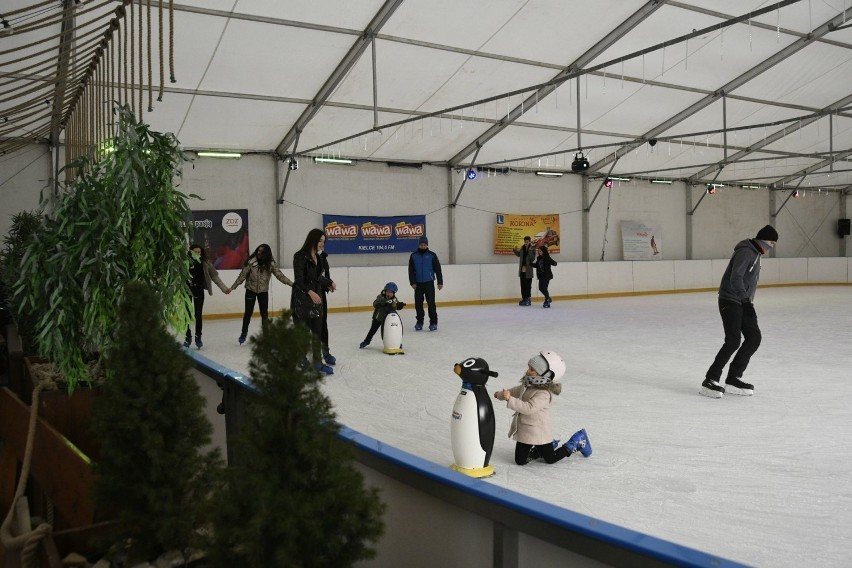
[[712, 389], [735, 386], [242, 339], [579, 442], [188, 341], [418, 326], [433, 327], [329, 358], [323, 368], [363, 345], [198, 343]]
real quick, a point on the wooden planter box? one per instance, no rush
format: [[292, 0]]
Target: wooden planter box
[[71, 415], [59, 472]]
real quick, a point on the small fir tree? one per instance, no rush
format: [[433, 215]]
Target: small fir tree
[[294, 497], [153, 476]]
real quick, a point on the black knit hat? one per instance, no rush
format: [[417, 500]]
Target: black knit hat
[[768, 233]]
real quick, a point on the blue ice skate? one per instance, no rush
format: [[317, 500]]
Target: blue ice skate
[[579, 442]]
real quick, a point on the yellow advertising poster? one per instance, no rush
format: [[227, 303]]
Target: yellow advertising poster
[[510, 231]]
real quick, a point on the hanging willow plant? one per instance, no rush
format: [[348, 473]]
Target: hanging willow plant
[[119, 219]]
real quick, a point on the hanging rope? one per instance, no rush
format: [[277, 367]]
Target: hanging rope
[[160, 15], [172, 42], [124, 53], [150, 80], [141, 69]]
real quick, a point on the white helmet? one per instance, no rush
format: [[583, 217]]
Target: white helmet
[[549, 366], [555, 363]]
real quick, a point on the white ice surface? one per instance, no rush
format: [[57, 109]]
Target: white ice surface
[[764, 480]]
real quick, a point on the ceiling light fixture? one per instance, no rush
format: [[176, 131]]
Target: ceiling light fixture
[[470, 174], [796, 194], [711, 190], [608, 182], [343, 161], [549, 174], [580, 163], [232, 155], [751, 187], [619, 179], [662, 181]]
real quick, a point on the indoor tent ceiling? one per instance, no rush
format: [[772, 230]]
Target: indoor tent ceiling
[[729, 91]]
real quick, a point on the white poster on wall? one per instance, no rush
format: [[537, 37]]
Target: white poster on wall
[[641, 241]]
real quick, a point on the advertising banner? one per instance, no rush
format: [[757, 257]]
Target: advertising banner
[[510, 231], [224, 235], [641, 241], [346, 234]]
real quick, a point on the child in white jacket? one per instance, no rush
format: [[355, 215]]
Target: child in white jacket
[[531, 423]]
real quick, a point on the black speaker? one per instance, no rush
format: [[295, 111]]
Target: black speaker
[[842, 227]]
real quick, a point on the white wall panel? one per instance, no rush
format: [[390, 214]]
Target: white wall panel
[[694, 274], [793, 269], [822, 270], [653, 275], [610, 277]]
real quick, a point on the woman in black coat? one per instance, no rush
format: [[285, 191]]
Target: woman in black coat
[[310, 282], [543, 272]]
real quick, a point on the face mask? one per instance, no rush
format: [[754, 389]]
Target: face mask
[[766, 245], [195, 255]]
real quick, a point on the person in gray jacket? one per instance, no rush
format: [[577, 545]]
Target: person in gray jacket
[[736, 297]]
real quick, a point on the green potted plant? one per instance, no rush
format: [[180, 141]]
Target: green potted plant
[[18, 326], [120, 218], [153, 476], [293, 497]]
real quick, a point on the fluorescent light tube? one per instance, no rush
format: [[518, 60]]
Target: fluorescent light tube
[[549, 174], [333, 161], [236, 155]]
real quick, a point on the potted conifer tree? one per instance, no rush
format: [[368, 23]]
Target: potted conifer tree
[[153, 476], [293, 497]]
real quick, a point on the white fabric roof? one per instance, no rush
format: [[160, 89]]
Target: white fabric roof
[[252, 74]]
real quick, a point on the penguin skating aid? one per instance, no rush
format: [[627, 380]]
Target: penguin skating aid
[[392, 334], [472, 423]]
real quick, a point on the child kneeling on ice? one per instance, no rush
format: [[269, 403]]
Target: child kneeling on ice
[[531, 423], [384, 304]]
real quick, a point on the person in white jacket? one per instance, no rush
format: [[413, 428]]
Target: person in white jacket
[[531, 423]]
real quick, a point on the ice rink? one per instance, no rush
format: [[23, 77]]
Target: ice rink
[[764, 480]]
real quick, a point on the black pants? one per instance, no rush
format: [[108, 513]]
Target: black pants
[[525, 453], [315, 327], [198, 304], [375, 326], [526, 287], [543, 283], [263, 305], [737, 319], [425, 290], [324, 334]]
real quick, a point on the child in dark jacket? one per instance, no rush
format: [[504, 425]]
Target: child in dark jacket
[[543, 272], [384, 303]]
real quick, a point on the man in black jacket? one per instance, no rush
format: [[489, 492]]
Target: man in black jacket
[[736, 294]]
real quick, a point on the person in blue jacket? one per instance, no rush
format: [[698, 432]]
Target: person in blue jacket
[[423, 269]]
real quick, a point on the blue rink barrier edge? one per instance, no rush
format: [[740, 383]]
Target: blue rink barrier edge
[[582, 524]]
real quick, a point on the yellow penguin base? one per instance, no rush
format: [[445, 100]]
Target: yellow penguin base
[[395, 351], [478, 472]]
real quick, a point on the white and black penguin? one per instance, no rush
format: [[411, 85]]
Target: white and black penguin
[[472, 425]]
